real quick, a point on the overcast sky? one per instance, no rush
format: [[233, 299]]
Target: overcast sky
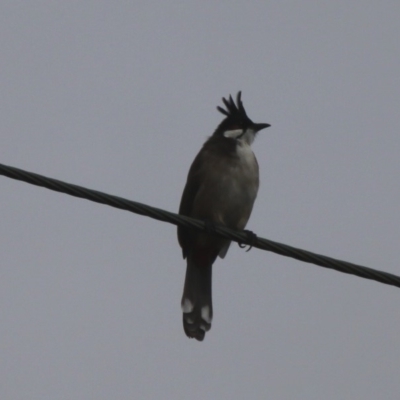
[[119, 97]]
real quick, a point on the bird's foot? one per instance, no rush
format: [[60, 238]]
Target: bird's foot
[[251, 237]]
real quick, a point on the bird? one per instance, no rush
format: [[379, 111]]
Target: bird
[[221, 188]]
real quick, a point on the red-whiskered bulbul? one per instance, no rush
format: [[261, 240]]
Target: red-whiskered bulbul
[[221, 187]]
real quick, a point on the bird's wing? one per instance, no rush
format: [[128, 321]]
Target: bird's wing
[[188, 196]]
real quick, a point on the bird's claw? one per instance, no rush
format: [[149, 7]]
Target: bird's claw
[[252, 238]]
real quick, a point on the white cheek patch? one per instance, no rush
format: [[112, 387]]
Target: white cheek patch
[[233, 134]]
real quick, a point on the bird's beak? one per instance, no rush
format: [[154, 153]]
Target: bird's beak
[[259, 127]]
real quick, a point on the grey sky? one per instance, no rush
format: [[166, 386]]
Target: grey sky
[[119, 97]]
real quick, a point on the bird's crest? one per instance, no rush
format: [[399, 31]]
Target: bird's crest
[[235, 111]]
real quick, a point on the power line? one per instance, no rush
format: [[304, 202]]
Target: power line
[[191, 223]]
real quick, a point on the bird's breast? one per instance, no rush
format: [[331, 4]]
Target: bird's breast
[[242, 177], [229, 188]]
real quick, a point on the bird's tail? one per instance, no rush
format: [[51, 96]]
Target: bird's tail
[[196, 300]]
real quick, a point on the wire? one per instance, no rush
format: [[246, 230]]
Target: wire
[[242, 237]]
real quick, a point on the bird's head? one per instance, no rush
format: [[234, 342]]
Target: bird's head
[[237, 125]]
